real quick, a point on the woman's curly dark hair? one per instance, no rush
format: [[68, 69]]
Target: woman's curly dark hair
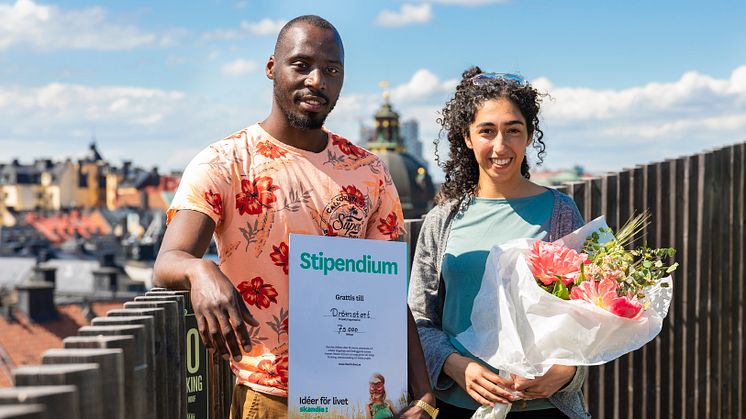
[[461, 168]]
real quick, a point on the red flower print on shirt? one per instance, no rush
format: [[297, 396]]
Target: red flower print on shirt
[[256, 195], [355, 196], [389, 226], [279, 256], [267, 149], [347, 147], [285, 325], [216, 202], [329, 231], [257, 293], [271, 373]]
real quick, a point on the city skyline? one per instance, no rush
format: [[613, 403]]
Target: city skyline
[[156, 82]]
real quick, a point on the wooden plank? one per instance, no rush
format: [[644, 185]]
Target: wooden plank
[[625, 363], [665, 210], [638, 365], [739, 168], [608, 405], [721, 268], [593, 387], [689, 178], [712, 285], [596, 197], [577, 192], [651, 395], [701, 299]]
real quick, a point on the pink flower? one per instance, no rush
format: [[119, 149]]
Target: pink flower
[[626, 307], [603, 294], [550, 262]]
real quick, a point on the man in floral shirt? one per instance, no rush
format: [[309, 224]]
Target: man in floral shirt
[[286, 174]]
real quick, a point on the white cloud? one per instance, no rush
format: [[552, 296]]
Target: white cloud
[[423, 85], [408, 14], [608, 129], [26, 23], [150, 126], [263, 27], [238, 67], [601, 129], [222, 35]]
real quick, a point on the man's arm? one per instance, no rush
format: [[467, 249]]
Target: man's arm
[[220, 312]]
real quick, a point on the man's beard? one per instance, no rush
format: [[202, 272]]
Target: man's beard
[[300, 120]]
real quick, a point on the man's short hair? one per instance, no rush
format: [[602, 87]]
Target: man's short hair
[[313, 20]]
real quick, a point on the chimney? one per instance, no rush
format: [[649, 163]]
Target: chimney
[[36, 300], [45, 273]]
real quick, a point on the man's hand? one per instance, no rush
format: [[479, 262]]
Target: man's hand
[[546, 385], [220, 311], [483, 385], [218, 307]]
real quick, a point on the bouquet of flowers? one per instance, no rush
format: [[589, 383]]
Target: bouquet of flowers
[[583, 300]]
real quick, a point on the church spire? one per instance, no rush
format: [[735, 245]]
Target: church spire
[[386, 136]]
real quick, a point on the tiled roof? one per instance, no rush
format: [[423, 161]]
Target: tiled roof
[[132, 198], [62, 227], [22, 342]]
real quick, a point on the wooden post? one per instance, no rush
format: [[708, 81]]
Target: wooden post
[[60, 402], [127, 345], [164, 380], [22, 411], [173, 343], [141, 374], [111, 363], [86, 377]]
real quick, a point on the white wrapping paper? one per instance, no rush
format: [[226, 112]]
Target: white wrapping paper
[[520, 328]]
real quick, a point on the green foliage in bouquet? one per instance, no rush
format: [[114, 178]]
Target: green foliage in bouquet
[[632, 269]]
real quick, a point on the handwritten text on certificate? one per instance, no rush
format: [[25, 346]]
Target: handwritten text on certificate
[[348, 348]]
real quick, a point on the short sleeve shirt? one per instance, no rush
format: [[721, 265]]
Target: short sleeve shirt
[[258, 190]]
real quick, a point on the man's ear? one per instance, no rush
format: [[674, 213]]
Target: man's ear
[[269, 69]]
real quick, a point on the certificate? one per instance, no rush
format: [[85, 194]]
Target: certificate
[[348, 327]]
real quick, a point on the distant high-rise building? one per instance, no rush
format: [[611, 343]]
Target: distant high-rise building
[[366, 134], [410, 132]]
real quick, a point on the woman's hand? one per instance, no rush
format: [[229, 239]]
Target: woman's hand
[[483, 385], [546, 385]]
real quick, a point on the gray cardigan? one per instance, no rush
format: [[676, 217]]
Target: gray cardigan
[[427, 296]]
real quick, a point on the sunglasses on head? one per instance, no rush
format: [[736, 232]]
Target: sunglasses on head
[[484, 78]]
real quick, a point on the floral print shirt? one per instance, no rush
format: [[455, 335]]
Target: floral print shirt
[[258, 190]]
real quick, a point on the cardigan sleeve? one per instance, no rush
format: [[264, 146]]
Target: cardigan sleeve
[[426, 298]]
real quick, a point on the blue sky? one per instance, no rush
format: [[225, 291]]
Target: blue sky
[[630, 82]]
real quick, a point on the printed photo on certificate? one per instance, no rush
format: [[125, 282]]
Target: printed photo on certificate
[[348, 327]]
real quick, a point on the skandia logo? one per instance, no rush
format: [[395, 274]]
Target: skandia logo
[[366, 264]]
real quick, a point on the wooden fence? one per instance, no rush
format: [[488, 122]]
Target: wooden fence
[[695, 367], [146, 360]]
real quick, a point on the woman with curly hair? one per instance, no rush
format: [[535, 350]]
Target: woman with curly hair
[[487, 199]]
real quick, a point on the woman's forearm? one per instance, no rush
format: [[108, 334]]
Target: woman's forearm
[[419, 382]]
